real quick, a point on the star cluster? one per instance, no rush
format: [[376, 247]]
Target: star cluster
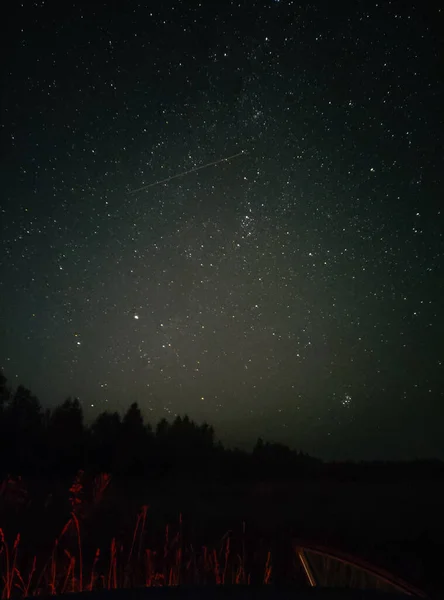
[[294, 291]]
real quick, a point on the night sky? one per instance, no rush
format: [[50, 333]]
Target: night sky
[[294, 291]]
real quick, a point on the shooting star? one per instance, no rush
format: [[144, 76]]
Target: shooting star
[[210, 164]]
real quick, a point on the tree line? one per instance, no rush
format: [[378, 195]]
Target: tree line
[[34, 441], [57, 441]]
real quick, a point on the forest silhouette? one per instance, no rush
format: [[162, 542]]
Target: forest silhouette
[[57, 442]]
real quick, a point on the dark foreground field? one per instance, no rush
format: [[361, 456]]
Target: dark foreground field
[[102, 532]]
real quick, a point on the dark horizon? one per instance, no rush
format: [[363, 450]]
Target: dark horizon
[[365, 440], [232, 436], [293, 291]]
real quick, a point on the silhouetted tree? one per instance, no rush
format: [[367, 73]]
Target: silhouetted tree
[[66, 437], [133, 443], [162, 429], [258, 448], [4, 397], [4, 390], [22, 429], [207, 435], [133, 419]]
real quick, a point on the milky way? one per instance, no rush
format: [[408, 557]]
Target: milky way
[[293, 292]]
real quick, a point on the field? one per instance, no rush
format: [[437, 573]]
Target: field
[[103, 532]]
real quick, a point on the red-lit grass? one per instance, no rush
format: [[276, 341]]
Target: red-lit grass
[[70, 569]]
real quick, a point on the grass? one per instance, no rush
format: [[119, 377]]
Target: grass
[[122, 563], [96, 533]]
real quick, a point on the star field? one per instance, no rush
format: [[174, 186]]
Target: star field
[[294, 291]]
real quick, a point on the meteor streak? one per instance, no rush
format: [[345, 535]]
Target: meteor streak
[[215, 162]]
